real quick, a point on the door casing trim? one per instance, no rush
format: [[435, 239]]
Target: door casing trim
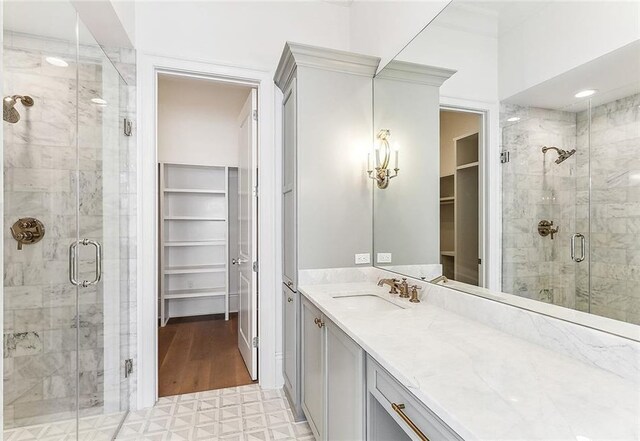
[[269, 317]]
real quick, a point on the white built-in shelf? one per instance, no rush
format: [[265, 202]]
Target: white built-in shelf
[[447, 200], [194, 191], [194, 218], [194, 207], [196, 269], [448, 253], [192, 293], [196, 243], [469, 165]]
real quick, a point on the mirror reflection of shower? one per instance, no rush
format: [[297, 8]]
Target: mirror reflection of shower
[[9, 111], [562, 154]]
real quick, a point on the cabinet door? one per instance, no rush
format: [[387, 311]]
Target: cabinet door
[[313, 368], [289, 206], [345, 386], [290, 345]]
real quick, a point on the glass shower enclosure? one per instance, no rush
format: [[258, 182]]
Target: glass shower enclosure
[[571, 204], [69, 183]]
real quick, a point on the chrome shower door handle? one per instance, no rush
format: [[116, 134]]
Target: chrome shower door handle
[[73, 263], [98, 248], [573, 247]]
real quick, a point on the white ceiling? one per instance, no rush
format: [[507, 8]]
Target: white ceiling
[[614, 76], [48, 19]]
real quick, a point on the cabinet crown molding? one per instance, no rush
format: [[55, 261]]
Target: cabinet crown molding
[[415, 73], [295, 54]]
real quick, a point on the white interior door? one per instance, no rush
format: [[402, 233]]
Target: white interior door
[[247, 232]]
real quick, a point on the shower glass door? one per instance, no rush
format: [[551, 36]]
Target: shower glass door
[[67, 165], [540, 203], [102, 247]]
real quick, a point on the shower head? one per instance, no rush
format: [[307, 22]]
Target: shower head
[[9, 112], [562, 154]]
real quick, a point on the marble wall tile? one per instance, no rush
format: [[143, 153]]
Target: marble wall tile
[[17, 344]]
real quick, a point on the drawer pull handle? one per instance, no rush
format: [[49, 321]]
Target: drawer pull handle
[[399, 410]]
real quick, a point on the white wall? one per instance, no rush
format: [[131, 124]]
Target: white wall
[[561, 36], [197, 121], [126, 12], [250, 34], [467, 42], [383, 28]]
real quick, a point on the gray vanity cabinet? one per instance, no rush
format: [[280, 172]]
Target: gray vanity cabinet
[[333, 382], [290, 302], [326, 111], [289, 205], [313, 361], [394, 413], [345, 390], [291, 349]]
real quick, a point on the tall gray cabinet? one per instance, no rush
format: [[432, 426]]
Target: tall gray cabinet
[[326, 121]]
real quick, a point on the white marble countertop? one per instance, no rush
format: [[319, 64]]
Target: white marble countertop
[[483, 383]]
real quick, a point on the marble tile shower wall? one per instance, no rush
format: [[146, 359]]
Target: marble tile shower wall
[[614, 211], [536, 188], [40, 309]]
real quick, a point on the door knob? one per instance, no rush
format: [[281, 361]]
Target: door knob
[[238, 261]]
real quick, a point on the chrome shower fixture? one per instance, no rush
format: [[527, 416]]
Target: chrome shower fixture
[[9, 112], [562, 154]]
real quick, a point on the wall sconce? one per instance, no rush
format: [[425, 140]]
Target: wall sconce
[[382, 173]]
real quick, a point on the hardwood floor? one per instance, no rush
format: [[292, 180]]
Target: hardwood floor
[[199, 353]]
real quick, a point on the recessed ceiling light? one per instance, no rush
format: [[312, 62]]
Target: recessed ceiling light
[[585, 93], [99, 101], [513, 119], [55, 61]]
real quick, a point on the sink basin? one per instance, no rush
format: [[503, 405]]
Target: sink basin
[[366, 302]]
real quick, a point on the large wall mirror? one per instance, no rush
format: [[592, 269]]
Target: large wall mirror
[[532, 185]]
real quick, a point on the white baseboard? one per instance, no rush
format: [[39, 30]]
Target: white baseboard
[[201, 306]]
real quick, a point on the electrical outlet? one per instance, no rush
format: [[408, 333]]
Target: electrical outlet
[[363, 258], [384, 258]]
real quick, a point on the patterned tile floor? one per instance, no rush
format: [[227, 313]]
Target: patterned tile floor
[[244, 413]]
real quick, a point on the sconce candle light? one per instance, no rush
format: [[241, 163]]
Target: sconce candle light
[[382, 173]]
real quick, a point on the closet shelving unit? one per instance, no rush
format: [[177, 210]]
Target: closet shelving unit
[[459, 209], [193, 234]]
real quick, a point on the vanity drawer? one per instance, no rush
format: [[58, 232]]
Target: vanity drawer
[[389, 392]]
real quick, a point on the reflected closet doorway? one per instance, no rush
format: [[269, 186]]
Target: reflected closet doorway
[[207, 224], [461, 195]]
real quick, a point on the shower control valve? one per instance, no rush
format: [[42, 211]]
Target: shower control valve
[[27, 231], [545, 228]]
